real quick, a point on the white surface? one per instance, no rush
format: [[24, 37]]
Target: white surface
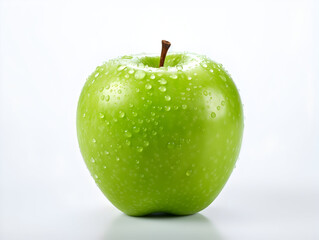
[[48, 48]]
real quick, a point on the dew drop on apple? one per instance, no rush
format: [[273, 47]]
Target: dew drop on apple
[[83, 115], [189, 78], [146, 143], [127, 134], [104, 167], [218, 108], [139, 149], [139, 74], [167, 108], [131, 71], [184, 106], [120, 68], [223, 103], [96, 176], [211, 70], [204, 65], [162, 81], [97, 74], [127, 142], [101, 115], [179, 68], [121, 114], [93, 140], [213, 114], [117, 159], [222, 77], [136, 129], [134, 114], [162, 89], [92, 160], [168, 98], [173, 76], [140, 121], [188, 173], [170, 145], [205, 93], [152, 76], [107, 98], [148, 86]]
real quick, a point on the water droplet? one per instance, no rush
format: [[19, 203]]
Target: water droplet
[[213, 115], [167, 108], [148, 86], [97, 74], [83, 115], [107, 98], [106, 152], [223, 103], [173, 76], [162, 89], [139, 74], [218, 108], [189, 78], [162, 81], [117, 159], [184, 106], [154, 133], [188, 89], [92, 160], [146, 143], [179, 68], [119, 91], [101, 115], [96, 176], [205, 93], [170, 145], [131, 71], [93, 140], [152, 76], [136, 129], [139, 149], [188, 173], [127, 134], [121, 114], [127, 142], [134, 114], [153, 114], [120, 68], [195, 73], [168, 98], [137, 162], [211, 70], [223, 78], [104, 166]]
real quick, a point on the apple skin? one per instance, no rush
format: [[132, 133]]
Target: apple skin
[[160, 139]]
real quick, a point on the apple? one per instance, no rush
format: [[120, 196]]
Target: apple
[[160, 139]]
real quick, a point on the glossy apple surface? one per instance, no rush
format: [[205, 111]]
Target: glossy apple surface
[[160, 139]]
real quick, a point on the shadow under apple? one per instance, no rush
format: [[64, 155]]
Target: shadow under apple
[[162, 226]]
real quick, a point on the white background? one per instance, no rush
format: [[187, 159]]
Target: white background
[[48, 48]]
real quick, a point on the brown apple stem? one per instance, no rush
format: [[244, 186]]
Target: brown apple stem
[[165, 47]]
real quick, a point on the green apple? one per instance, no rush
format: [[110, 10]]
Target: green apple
[[160, 139]]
